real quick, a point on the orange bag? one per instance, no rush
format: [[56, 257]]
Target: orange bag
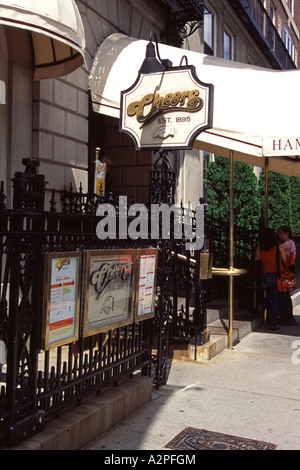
[[286, 280]]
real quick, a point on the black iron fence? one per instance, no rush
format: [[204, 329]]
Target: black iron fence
[[36, 384]]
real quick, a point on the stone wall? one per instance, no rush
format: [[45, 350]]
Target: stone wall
[[52, 120], [63, 139]]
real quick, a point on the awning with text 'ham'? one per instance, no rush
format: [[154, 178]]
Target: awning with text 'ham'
[[255, 109], [56, 31]]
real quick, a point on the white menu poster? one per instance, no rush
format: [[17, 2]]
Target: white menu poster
[[146, 289], [63, 298]]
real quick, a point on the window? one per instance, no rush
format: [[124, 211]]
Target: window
[[272, 12], [287, 39], [290, 4], [228, 46], [209, 32]]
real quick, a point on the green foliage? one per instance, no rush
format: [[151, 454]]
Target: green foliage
[[295, 197], [217, 184], [283, 196], [246, 197], [283, 200]]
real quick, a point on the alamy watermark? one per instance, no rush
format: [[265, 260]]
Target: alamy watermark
[[296, 354], [160, 221], [2, 92]]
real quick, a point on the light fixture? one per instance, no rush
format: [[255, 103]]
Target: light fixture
[[151, 64]]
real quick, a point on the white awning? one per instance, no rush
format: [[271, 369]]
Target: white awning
[[56, 30], [255, 110]]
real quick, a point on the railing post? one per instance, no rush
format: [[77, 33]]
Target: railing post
[[24, 265], [13, 258], [162, 192]]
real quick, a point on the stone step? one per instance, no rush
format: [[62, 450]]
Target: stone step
[[217, 332], [79, 426], [216, 309], [242, 326]]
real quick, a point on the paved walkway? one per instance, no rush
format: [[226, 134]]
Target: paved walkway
[[252, 391]]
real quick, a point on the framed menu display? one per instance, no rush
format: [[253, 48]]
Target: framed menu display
[[61, 298], [146, 284], [109, 289]]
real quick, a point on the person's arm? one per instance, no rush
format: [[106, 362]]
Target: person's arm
[[282, 252], [293, 253], [257, 253]]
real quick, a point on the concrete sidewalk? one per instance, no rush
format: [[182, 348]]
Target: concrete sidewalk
[[252, 391]]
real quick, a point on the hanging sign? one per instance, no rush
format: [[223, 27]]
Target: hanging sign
[[100, 172], [281, 146], [167, 109]]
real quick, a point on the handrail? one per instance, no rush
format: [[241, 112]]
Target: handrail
[[216, 271], [228, 271]]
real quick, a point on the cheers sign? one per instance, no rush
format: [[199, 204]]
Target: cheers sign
[[166, 109], [189, 101], [108, 273]]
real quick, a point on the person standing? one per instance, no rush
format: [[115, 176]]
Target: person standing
[[286, 305], [266, 252]]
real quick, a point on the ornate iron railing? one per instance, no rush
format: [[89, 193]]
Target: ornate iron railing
[[35, 384], [184, 18]]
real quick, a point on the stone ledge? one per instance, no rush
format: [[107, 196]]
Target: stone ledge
[[78, 427]]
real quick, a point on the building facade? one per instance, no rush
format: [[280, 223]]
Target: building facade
[[52, 119]]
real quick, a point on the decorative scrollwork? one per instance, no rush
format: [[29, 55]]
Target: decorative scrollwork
[[185, 17]]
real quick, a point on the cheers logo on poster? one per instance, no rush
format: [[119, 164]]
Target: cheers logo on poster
[[109, 290]]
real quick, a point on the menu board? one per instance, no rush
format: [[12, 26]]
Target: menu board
[[61, 301], [118, 287], [109, 289], [147, 268]]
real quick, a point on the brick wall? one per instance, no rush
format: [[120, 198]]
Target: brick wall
[[130, 168]]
